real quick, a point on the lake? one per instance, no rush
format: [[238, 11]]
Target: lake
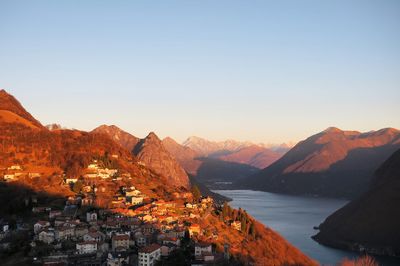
[[294, 217]]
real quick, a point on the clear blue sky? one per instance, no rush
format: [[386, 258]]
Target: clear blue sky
[[269, 71]]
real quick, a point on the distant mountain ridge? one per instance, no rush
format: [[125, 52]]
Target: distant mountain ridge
[[332, 163], [207, 147], [252, 155], [123, 138], [210, 171], [256, 155], [372, 221]]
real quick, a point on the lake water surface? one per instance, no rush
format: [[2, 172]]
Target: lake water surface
[[294, 217]]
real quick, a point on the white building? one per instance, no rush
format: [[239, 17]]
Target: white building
[[92, 166], [64, 232], [94, 236], [14, 167], [71, 180], [40, 225], [132, 193], [47, 236], [120, 241], [103, 175], [202, 248], [149, 255], [9, 177], [90, 175], [86, 247], [136, 200], [91, 216]]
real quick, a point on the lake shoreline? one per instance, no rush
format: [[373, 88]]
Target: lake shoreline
[[294, 217]]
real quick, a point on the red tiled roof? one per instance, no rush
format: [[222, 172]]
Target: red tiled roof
[[94, 234], [120, 237], [203, 244], [149, 249], [42, 222]]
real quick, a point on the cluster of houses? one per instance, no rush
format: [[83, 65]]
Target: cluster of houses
[[108, 237], [15, 172], [96, 171], [149, 233], [136, 230]]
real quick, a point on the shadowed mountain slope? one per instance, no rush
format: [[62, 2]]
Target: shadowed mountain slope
[[371, 221], [218, 174], [333, 163]]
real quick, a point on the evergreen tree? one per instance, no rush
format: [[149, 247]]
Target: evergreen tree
[[225, 210], [243, 224], [252, 230], [196, 193]]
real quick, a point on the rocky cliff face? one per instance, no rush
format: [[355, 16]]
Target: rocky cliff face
[[332, 163], [184, 155], [149, 151], [152, 153], [372, 221]]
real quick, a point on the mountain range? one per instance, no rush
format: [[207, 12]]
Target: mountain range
[[24, 141], [253, 155], [371, 222], [53, 155], [150, 152], [332, 163], [256, 155], [169, 158], [206, 147], [212, 171]]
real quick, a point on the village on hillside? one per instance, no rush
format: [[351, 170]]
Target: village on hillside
[[134, 230]]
